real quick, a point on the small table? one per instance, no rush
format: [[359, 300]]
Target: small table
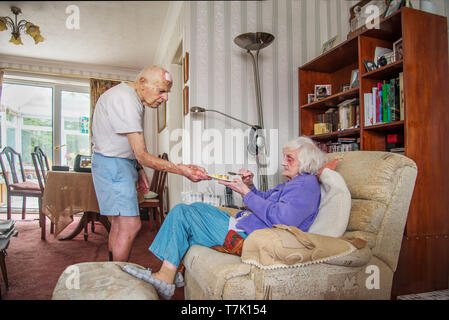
[[68, 193]]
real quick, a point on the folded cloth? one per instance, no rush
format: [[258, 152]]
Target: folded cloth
[[165, 290]]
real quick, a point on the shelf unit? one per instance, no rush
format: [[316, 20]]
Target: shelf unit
[[424, 259]]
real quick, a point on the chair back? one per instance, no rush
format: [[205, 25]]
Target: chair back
[[41, 166], [159, 178], [381, 186], [12, 166]]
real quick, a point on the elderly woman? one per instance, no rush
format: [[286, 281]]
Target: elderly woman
[[293, 203]]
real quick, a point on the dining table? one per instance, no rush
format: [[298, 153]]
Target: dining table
[[67, 193]]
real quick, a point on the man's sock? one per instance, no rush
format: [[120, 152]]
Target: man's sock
[[110, 256]]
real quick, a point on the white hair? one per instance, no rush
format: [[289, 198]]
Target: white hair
[[311, 158]]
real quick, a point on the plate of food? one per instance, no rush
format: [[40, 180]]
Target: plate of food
[[220, 177]]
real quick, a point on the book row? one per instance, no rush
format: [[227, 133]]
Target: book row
[[344, 116], [385, 102]]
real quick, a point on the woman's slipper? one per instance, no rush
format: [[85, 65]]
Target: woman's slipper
[[179, 279], [165, 290]]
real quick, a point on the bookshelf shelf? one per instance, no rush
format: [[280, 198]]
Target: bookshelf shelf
[[385, 72], [423, 75], [337, 134], [333, 100], [396, 125]]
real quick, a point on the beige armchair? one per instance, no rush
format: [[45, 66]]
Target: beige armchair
[[381, 186]]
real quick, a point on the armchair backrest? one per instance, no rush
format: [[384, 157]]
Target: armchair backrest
[[381, 186]]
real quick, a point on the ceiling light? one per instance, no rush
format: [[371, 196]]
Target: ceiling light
[[16, 27]]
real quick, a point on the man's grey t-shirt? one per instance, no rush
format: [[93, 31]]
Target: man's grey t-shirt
[[118, 111]]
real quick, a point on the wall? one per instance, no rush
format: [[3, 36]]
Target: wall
[[167, 57]]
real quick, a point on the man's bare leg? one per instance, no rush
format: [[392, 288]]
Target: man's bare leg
[[113, 233], [128, 227]]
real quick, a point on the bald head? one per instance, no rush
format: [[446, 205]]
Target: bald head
[[156, 75], [153, 85]]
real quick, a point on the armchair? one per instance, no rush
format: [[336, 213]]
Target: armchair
[[381, 186]]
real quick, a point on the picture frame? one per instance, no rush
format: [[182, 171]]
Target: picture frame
[[329, 44], [185, 64], [322, 91], [369, 65], [161, 116], [310, 98], [398, 50], [185, 100], [354, 78], [393, 6]]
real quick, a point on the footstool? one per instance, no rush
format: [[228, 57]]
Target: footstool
[[101, 281]]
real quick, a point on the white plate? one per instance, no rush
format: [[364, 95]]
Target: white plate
[[220, 179]]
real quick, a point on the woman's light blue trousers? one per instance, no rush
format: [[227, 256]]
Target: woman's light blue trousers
[[187, 225]]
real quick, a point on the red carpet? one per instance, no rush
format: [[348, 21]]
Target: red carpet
[[34, 266]]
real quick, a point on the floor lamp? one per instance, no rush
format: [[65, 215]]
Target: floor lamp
[[254, 41]]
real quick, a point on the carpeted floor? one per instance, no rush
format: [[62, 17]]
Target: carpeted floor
[[34, 266]]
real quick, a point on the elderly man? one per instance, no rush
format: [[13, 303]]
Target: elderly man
[[294, 203], [119, 152]]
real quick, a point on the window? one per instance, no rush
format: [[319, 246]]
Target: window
[[75, 128], [27, 119], [46, 111]]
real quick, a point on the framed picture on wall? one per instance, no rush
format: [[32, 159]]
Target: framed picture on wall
[[185, 64], [185, 100], [161, 116]]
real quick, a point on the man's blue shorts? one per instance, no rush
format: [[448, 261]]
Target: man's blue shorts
[[115, 185]]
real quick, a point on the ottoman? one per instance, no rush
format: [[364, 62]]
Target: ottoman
[[101, 281]]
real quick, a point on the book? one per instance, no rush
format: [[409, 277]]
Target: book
[[373, 106], [379, 103], [385, 102], [367, 99], [401, 96], [393, 101]]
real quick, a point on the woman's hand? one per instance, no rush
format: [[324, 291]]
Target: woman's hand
[[237, 185], [193, 173], [247, 177]]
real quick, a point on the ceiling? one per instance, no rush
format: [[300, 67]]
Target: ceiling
[[112, 33]]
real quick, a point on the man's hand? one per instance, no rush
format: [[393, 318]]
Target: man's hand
[[193, 173], [237, 185], [142, 183], [247, 177]]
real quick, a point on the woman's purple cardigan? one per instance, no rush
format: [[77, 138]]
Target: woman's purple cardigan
[[294, 203]]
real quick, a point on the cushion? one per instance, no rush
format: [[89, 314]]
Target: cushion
[[150, 195], [27, 185], [335, 206], [286, 246], [101, 281]]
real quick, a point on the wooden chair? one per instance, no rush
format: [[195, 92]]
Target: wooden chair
[[157, 203], [41, 168], [16, 185]]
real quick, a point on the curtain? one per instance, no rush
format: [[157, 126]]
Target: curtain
[[1, 81], [97, 88]]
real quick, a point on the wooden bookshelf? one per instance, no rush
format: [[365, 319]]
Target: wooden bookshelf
[[424, 261]]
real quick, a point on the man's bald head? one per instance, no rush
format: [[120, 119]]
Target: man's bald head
[[155, 75], [153, 85]]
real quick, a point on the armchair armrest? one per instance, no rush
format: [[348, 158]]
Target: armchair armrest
[[211, 269]]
